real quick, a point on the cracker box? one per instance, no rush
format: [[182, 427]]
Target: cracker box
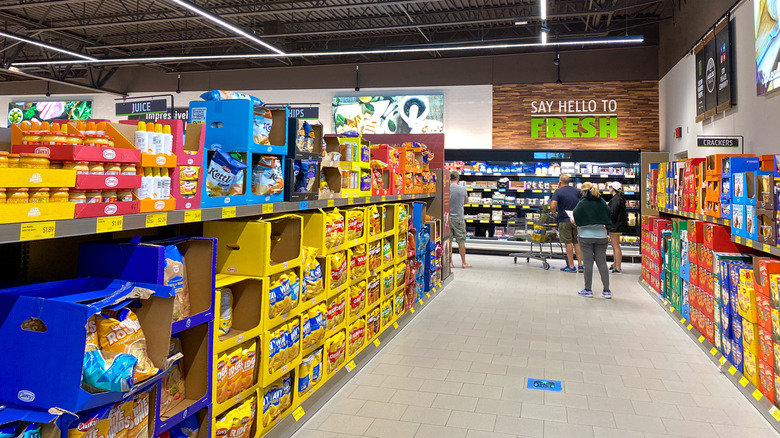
[[765, 346], [750, 365], [766, 381]]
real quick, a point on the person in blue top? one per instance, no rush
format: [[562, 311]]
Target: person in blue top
[[565, 198], [591, 216]]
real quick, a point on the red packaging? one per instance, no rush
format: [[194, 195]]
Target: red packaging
[[764, 311], [767, 381], [765, 347]]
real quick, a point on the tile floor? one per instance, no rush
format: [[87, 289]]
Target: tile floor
[[459, 369]]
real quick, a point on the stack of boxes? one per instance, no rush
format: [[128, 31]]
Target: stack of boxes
[[738, 189], [355, 166], [387, 179], [691, 185], [766, 187], [652, 257], [303, 162]]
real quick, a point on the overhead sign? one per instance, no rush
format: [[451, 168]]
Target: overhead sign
[[718, 142], [311, 112], [714, 90], [141, 107], [574, 118], [701, 106], [710, 78], [723, 46]]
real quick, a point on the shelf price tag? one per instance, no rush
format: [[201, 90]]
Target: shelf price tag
[[722, 360], [767, 248], [743, 381], [775, 413], [37, 230], [376, 342], [420, 301], [682, 321], [331, 202], [351, 201], [228, 212], [757, 394], [192, 216], [732, 370], [109, 224], [701, 339], [367, 200], [298, 413], [395, 325], [268, 208], [689, 327], [411, 309], [428, 294], [384, 198], [351, 366], [156, 220], [749, 243], [713, 351]]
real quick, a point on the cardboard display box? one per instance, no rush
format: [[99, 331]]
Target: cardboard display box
[[246, 310], [767, 226], [230, 123]]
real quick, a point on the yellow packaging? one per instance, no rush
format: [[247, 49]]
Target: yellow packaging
[[223, 393], [335, 312], [121, 332], [278, 349], [234, 371], [312, 274], [400, 274], [316, 367], [357, 336], [334, 229], [92, 424], [120, 419], [335, 349], [223, 424], [293, 341], [242, 421], [357, 263], [357, 298], [225, 310], [355, 224], [248, 361], [286, 400], [92, 336], [372, 324], [338, 270], [140, 426], [251, 406], [375, 221]]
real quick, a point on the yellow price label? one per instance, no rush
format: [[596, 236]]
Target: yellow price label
[[757, 394], [109, 224], [352, 364], [767, 248], [682, 321], [701, 339], [331, 203], [420, 301], [775, 413], [488, 190], [427, 294], [671, 309], [298, 413], [727, 222], [376, 342], [411, 309], [713, 351], [351, 201], [484, 222], [156, 220], [367, 200], [228, 212], [689, 327], [192, 216], [384, 198], [722, 360], [395, 325], [732, 370], [743, 381], [268, 208], [749, 243], [37, 230]]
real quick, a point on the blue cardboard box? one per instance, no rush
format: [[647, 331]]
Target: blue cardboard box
[[751, 222], [738, 220], [248, 196], [52, 425], [145, 263], [732, 165], [743, 185], [230, 124], [44, 330]]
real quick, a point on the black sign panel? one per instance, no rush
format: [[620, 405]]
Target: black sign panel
[[182, 113], [700, 104], [710, 77], [305, 112], [723, 46], [718, 142], [141, 107]]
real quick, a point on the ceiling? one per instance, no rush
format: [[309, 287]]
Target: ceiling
[[152, 28]]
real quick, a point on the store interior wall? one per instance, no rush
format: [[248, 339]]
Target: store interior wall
[[754, 117]]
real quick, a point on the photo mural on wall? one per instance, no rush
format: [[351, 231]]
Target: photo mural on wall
[[388, 114], [582, 115]]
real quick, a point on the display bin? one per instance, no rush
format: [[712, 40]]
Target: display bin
[[51, 211], [248, 196], [52, 425], [291, 194], [100, 209], [295, 125], [146, 263], [197, 365], [265, 376], [247, 293], [390, 220], [314, 233], [188, 141], [23, 177], [335, 352], [222, 402], [739, 164], [766, 221], [328, 265], [187, 190], [766, 198], [332, 176], [221, 408], [231, 123], [301, 395], [298, 306], [337, 314], [257, 248], [358, 179], [743, 188], [262, 427], [355, 149], [51, 318]]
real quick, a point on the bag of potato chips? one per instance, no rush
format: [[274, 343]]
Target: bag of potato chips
[[120, 332], [234, 371], [316, 367], [140, 426], [294, 342], [312, 274], [248, 361], [223, 424], [225, 310], [357, 333], [92, 423], [223, 393], [338, 273], [335, 312], [387, 250], [173, 382], [357, 299], [357, 266], [176, 277], [278, 349]]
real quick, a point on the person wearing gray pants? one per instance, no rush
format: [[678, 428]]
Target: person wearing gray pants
[[591, 215]]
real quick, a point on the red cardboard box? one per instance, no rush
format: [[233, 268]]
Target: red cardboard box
[[766, 380], [718, 238], [765, 346]]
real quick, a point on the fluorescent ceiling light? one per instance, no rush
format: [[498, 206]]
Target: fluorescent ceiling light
[[226, 24], [521, 23], [544, 37], [543, 6], [46, 46], [638, 39]]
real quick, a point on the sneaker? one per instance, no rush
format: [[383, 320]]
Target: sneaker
[[611, 267], [568, 269], [617, 271], [580, 269], [606, 294], [585, 293]]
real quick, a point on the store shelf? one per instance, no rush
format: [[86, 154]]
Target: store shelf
[[501, 207], [701, 217], [581, 175], [78, 227], [751, 393], [491, 189]]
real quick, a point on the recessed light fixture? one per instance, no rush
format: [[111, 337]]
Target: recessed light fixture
[[225, 24], [543, 6], [23, 39], [521, 23], [637, 39]]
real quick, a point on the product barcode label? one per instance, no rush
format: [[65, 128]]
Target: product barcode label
[[268, 208], [775, 413], [298, 413], [198, 115], [376, 342]]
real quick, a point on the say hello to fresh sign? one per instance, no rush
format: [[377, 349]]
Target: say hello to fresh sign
[[574, 118]]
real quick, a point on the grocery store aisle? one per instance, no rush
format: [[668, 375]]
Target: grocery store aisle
[[460, 368]]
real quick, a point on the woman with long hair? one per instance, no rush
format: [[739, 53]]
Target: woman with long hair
[[591, 216], [619, 225]]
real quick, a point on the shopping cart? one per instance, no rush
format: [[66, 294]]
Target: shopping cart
[[543, 240]]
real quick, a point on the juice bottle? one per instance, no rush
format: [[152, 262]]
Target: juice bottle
[[140, 137], [150, 138], [167, 140], [157, 139]]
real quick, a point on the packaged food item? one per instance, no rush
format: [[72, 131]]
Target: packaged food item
[[312, 274], [304, 374], [77, 196], [230, 95], [400, 274], [39, 195], [140, 427], [338, 273], [94, 196], [2, 195], [335, 315], [173, 382], [108, 371], [277, 349], [271, 403], [120, 332], [374, 255], [267, 176], [386, 313], [34, 161], [248, 362], [302, 137], [335, 349], [241, 421], [372, 324], [305, 175], [234, 371], [374, 221], [334, 229], [176, 277], [93, 423], [18, 195], [294, 343], [388, 282], [59, 194], [316, 367], [357, 298], [357, 265], [225, 310], [109, 196], [223, 424], [398, 304], [357, 336], [283, 293], [387, 250], [225, 175], [128, 169], [401, 253], [263, 122], [221, 385], [286, 399], [189, 173], [373, 290], [96, 169]]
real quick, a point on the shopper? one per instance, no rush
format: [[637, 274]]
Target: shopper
[[619, 225], [458, 196], [566, 198], [591, 217]]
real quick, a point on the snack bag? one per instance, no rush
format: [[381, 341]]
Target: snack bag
[[295, 288], [335, 314], [398, 304], [225, 175], [400, 274], [357, 336], [176, 277], [338, 270], [263, 122], [230, 95], [241, 419], [225, 310], [223, 393], [306, 323], [318, 318], [188, 428], [140, 426], [120, 416], [304, 374], [286, 399], [375, 221], [339, 227], [387, 251], [335, 349], [312, 274], [304, 137], [401, 253], [357, 266], [235, 370], [108, 371], [93, 423], [173, 382], [269, 410], [372, 291], [294, 344], [92, 337], [248, 362], [387, 313], [388, 282], [223, 424], [278, 349], [374, 255], [372, 324], [267, 176], [120, 332], [357, 299], [280, 296], [316, 367]]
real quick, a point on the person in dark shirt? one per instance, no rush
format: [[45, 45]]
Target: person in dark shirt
[[619, 215], [458, 196], [566, 198]]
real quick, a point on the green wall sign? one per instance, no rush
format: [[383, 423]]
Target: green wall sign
[[574, 127]]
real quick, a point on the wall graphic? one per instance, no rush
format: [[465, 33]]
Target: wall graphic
[[49, 111], [389, 114], [577, 115], [766, 22]]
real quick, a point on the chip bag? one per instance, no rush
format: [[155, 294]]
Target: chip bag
[[316, 367], [398, 304], [223, 424], [335, 349], [93, 423], [357, 336], [173, 382], [400, 274], [357, 299], [225, 175], [235, 370], [304, 374], [120, 332], [225, 310], [188, 428], [176, 277], [338, 270], [373, 290], [372, 324], [387, 250], [312, 274], [108, 371], [267, 176], [286, 399], [278, 349], [374, 255], [294, 343], [140, 426], [248, 362], [386, 313], [357, 265], [230, 95], [334, 228], [374, 221], [281, 294], [120, 416], [223, 393], [388, 282], [335, 315]]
